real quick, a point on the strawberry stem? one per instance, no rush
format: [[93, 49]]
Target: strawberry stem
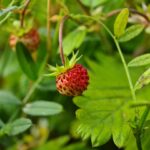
[[61, 39], [23, 13]]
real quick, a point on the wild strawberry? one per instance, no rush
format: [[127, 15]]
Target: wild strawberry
[[30, 39], [71, 79], [72, 82]]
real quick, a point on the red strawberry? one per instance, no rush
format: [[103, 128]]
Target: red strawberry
[[72, 82], [30, 39], [71, 79]]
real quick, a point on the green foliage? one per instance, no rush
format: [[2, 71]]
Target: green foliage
[[68, 65], [94, 3], [131, 33], [104, 109], [42, 108], [60, 144], [26, 62], [121, 22], [143, 80], [18, 126], [140, 61], [8, 102], [5, 11], [107, 111], [73, 40]]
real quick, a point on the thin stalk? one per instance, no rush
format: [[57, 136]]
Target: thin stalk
[[143, 118], [138, 142], [61, 39], [126, 69], [48, 26], [23, 13], [34, 86], [122, 59], [14, 115]]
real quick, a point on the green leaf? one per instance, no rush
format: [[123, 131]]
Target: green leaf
[[93, 3], [5, 130], [121, 130], [143, 80], [26, 62], [121, 22], [8, 98], [20, 125], [8, 102], [140, 61], [131, 33], [104, 110], [1, 123], [42, 108], [55, 144], [73, 40], [61, 143]]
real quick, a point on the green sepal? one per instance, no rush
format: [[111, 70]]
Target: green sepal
[[68, 65]]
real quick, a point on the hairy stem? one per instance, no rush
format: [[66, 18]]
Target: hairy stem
[[61, 39], [23, 13]]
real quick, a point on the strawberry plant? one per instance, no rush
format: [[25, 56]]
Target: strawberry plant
[[74, 75]]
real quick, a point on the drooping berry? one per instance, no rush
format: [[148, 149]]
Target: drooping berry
[[73, 82], [72, 78], [30, 39]]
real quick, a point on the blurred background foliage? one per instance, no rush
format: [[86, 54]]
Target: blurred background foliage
[[59, 132]]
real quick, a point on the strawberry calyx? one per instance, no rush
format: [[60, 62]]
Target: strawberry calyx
[[68, 65], [15, 29]]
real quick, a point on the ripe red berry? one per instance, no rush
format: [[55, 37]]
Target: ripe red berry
[[30, 39], [73, 81], [71, 78]]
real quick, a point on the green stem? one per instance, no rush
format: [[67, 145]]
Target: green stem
[[143, 118], [126, 69], [122, 59], [34, 86], [14, 115], [138, 141]]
